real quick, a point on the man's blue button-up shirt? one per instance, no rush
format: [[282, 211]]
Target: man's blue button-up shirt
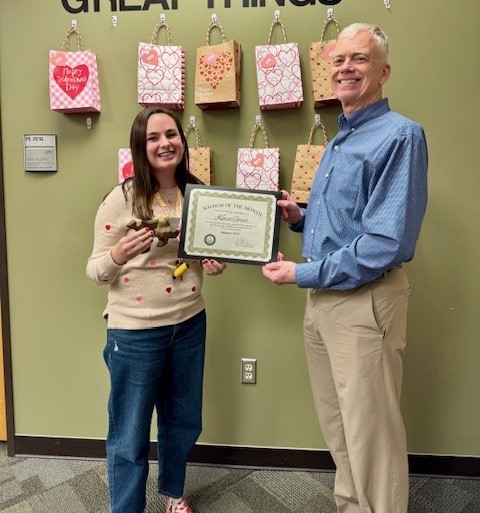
[[367, 201]]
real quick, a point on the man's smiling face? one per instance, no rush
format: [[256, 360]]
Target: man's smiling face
[[358, 71]]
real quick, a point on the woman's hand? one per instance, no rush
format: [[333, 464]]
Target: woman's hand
[[213, 267], [131, 245]]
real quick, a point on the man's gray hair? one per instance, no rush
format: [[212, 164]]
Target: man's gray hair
[[377, 33]]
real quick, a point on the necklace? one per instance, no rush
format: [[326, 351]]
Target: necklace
[[167, 200]]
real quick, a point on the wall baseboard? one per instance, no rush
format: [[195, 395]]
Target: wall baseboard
[[250, 457]]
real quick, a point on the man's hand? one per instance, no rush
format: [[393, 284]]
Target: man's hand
[[290, 211], [280, 272]]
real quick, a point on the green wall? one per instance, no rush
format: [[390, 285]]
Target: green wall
[[59, 381]]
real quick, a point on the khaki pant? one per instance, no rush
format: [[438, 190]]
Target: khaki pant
[[355, 342]]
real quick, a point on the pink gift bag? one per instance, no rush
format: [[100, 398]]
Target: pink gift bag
[[125, 164], [279, 78], [258, 168], [161, 72], [73, 78]]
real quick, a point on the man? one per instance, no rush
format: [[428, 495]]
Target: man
[[366, 207]]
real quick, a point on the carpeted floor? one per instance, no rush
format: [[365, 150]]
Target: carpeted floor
[[50, 485]]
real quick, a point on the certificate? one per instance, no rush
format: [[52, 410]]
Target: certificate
[[230, 225]]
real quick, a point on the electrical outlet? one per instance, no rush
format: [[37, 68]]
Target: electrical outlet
[[249, 371]]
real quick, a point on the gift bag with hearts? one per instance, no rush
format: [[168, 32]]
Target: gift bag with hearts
[[307, 160], [73, 78], [217, 73], [199, 157], [161, 72], [258, 168], [125, 164], [279, 77], [320, 54]]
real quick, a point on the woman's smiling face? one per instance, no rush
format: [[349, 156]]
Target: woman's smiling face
[[164, 143]]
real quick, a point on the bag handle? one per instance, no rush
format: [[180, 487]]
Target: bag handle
[[329, 19], [317, 124], [258, 126], [66, 42], [192, 126], [277, 21], [212, 25], [158, 26]]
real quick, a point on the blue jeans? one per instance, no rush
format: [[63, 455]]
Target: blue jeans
[[161, 368]]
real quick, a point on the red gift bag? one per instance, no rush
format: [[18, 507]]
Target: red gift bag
[[217, 73], [279, 77], [320, 63], [161, 72], [258, 168], [73, 78]]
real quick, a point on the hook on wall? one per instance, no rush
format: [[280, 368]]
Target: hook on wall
[[387, 3], [276, 15], [88, 121], [114, 21], [162, 18], [74, 24], [329, 13], [192, 121], [214, 18]]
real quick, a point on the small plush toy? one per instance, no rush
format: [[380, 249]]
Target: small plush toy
[[164, 227]]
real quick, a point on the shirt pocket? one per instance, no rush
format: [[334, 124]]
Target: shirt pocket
[[343, 189]]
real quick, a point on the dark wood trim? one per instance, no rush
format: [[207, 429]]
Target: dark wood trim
[[249, 457], [259, 457], [4, 305]]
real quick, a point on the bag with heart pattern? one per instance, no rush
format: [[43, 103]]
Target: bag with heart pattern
[[258, 168], [199, 161], [125, 164], [320, 54], [217, 73], [161, 72], [307, 160], [73, 78], [279, 77]]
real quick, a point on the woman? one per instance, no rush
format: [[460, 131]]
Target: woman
[[155, 317]]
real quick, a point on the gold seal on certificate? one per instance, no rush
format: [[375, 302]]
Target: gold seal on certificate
[[231, 225]]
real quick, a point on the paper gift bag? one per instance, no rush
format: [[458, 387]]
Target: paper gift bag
[[199, 156], [125, 164], [161, 72], [258, 168], [73, 78], [307, 160], [279, 78], [320, 54], [217, 73]]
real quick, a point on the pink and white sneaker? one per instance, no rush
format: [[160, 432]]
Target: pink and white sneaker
[[178, 506]]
